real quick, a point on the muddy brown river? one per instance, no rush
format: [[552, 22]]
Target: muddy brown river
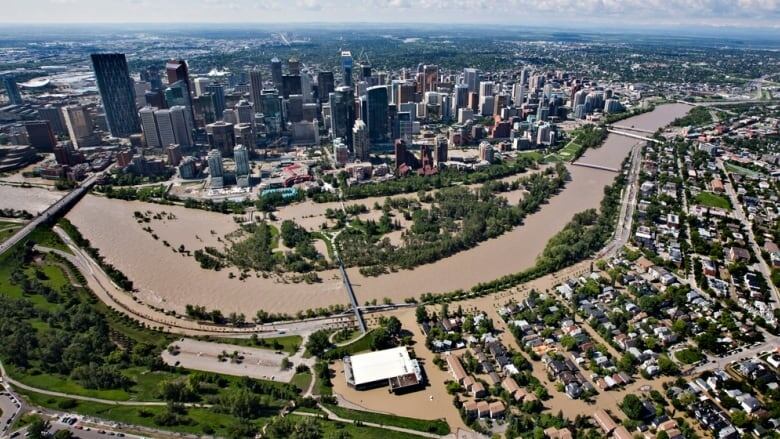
[[168, 279]]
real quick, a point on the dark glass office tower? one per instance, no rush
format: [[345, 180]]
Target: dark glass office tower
[[377, 114], [116, 91]]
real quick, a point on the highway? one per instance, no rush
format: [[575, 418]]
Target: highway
[[50, 213]]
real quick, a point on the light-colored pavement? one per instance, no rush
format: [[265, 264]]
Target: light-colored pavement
[[263, 364], [10, 406]]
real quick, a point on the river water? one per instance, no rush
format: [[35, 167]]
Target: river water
[[168, 279]]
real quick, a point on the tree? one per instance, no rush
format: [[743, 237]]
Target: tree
[[739, 418], [568, 342], [393, 326], [632, 406], [38, 428], [318, 343], [381, 339], [626, 363], [421, 313], [63, 434]]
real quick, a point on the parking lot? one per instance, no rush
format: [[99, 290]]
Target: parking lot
[[10, 407]]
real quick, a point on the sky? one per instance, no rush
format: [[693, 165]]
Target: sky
[[605, 14]]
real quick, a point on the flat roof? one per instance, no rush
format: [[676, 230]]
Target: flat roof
[[381, 365]]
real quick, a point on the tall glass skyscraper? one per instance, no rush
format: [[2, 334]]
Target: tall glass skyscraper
[[14, 97], [116, 91], [377, 114]]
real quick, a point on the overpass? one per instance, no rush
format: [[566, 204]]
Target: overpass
[[352, 299], [631, 128], [51, 212], [600, 167], [633, 136]]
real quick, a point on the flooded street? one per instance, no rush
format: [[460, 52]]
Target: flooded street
[[168, 279], [32, 199]]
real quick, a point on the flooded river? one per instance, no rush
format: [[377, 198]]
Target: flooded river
[[171, 280]]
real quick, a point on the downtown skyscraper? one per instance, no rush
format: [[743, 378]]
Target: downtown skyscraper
[[117, 93]]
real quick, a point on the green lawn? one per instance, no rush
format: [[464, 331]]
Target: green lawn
[[736, 169], [437, 426], [47, 238], [8, 232], [142, 416], [302, 381], [286, 343], [713, 200]]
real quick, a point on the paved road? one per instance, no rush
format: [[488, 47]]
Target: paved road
[[10, 407], [740, 214], [770, 343], [50, 213]]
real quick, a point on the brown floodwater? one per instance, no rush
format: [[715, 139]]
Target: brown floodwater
[[168, 279]]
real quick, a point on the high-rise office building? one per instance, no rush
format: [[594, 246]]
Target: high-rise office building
[[442, 150], [361, 144], [294, 66], [219, 97], [151, 75], [182, 128], [376, 119], [346, 66], [294, 107], [177, 70], [405, 126], [221, 136], [116, 92], [518, 94], [164, 123], [216, 169], [471, 79], [291, 85], [12, 90], [54, 116], [244, 112], [276, 73], [245, 135], [325, 85], [461, 95], [174, 154], [201, 86], [256, 87], [79, 126], [485, 89], [342, 113], [241, 157], [149, 125], [430, 77], [40, 135]]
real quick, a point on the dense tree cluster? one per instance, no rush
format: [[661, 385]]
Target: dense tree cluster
[[459, 218]]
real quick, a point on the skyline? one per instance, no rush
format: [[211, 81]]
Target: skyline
[[607, 14]]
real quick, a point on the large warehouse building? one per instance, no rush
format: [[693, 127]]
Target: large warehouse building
[[391, 367]]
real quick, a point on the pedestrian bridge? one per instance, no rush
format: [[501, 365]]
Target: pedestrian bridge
[[600, 167], [639, 130], [633, 136]]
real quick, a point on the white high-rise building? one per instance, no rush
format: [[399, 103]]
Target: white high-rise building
[[485, 89], [200, 85], [149, 125], [216, 171], [518, 94], [361, 144], [241, 157], [471, 79]]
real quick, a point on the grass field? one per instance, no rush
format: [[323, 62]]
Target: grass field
[[142, 416], [569, 151], [713, 200], [302, 381], [286, 343], [437, 426], [736, 169]]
